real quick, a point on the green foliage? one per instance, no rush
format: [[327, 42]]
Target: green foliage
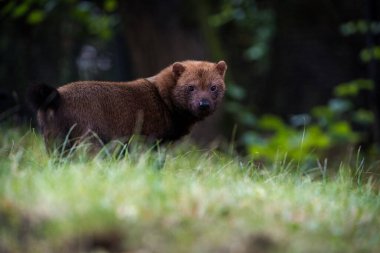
[[368, 54], [98, 21], [308, 136], [97, 24], [197, 202], [256, 25], [353, 88], [359, 27], [341, 123], [362, 27], [35, 17], [235, 106], [110, 5], [273, 137]]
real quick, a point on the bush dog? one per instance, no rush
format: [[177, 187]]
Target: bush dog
[[163, 107]]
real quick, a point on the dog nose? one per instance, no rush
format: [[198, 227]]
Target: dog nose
[[204, 104]]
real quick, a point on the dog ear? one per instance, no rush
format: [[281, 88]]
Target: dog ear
[[221, 67], [178, 69]]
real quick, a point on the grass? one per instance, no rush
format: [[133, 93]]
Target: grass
[[191, 201]]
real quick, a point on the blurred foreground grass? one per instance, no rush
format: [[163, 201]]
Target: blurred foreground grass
[[191, 201]]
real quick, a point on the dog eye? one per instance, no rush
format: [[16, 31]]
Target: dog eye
[[213, 88], [190, 88]]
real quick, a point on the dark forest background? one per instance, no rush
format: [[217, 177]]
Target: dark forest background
[[299, 72]]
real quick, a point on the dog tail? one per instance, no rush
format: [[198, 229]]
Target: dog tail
[[43, 97]]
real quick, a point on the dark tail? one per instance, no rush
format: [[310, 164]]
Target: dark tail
[[43, 97]]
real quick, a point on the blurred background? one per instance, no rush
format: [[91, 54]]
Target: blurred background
[[303, 76]]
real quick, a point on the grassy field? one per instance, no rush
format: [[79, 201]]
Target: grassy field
[[180, 199]]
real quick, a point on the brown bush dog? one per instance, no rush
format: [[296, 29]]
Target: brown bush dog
[[162, 107]]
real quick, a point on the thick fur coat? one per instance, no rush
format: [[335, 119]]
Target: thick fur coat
[[162, 107]]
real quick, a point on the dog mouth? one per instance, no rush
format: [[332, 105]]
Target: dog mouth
[[202, 114]]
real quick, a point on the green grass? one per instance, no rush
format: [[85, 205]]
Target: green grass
[[194, 201]]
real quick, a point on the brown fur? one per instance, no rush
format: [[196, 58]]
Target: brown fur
[[163, 107]]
